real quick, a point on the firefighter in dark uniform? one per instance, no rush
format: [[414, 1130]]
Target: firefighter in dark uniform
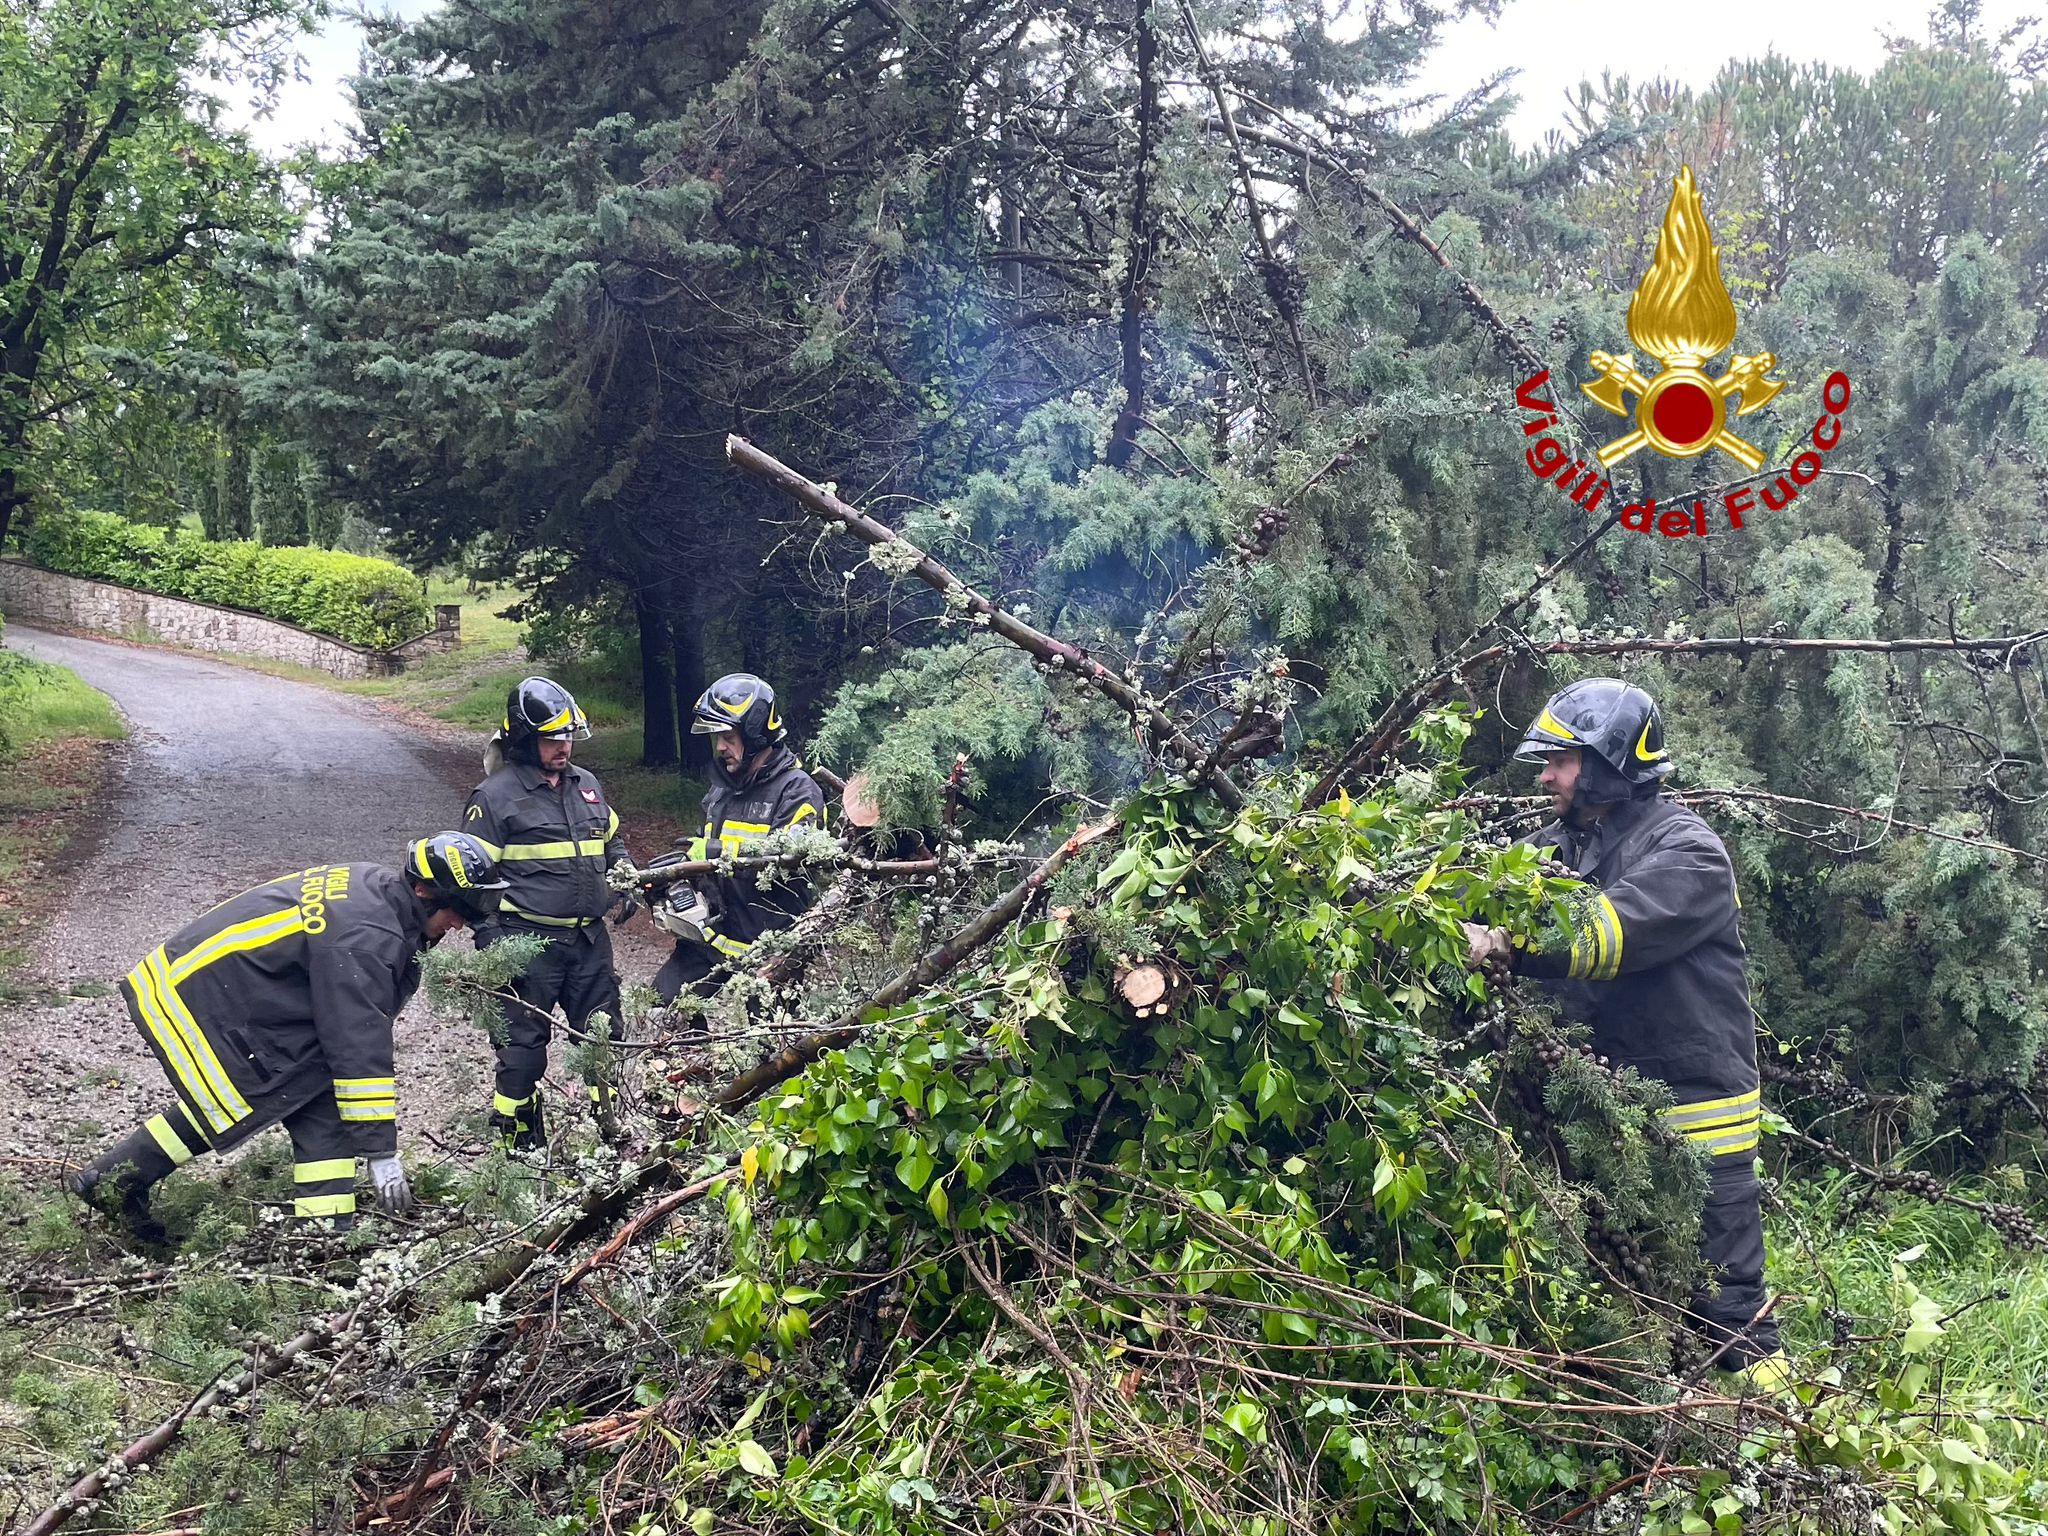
[[555, 838], [1656, 967], [757, 787], [277, 1007]]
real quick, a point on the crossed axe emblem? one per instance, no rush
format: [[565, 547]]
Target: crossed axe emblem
[[1682, 412]]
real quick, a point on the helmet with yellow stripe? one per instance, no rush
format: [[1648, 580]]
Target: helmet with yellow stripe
[[537, 709], [460, 871], [1614, 721], [741, 702]]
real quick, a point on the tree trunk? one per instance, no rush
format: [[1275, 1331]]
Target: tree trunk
[[12, 499], [657, 689], [686, 648], [233, 513], [1131, 323]]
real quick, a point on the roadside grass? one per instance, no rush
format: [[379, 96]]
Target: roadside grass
[[1831, 1252], [45, 702], [54, 761]]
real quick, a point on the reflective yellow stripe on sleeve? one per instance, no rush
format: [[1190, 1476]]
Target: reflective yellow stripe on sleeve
[[324, 1168], [1596, 943], [806, 809], [325, 1205], [253, 934], [1610, 923]]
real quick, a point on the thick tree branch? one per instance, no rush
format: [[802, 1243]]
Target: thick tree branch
[[928, 968], [824, 504], [1274, 269]]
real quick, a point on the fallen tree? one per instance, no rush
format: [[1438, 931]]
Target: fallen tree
[[1217, 1197]]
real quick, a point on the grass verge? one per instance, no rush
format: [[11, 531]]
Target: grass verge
[[53, 763], [1839, 1255]]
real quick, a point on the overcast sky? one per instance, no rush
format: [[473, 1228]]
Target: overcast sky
[[1554, 43], [1557, 43]]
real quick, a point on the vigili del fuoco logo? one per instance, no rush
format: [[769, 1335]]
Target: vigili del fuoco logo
[[1683, 317]]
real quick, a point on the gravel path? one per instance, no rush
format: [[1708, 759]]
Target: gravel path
[[229, 778]]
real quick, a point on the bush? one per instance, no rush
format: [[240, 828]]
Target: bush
[[353, 598]]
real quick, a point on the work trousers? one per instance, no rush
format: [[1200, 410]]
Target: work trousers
[[1724, 1309], [323, 1165], [574, 973], [693, 967]]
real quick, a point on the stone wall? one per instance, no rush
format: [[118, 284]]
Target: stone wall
[[36, 596]]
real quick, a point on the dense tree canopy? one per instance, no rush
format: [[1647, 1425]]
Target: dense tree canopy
[[121, 185]]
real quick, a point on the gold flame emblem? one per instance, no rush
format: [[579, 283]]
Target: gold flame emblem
[[1682, 316]]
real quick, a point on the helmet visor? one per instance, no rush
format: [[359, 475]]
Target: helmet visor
[[478, 905], [703, 727]]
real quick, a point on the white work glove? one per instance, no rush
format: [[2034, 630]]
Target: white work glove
[[394, 1194], [623, 876], [1486, 946]]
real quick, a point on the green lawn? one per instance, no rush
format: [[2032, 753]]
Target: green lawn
[[44, 702], [54, 723]]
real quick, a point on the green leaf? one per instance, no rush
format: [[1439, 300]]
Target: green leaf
[[1925, 1327], [1247, 1419], [756, 1460]]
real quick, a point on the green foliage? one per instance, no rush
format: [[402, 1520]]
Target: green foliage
[[40, 701], [975, 697], [475, 985], [123, 189], [1291, 1247], [360, 600]]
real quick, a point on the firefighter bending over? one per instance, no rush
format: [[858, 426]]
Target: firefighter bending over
[[757, 787], [1658, 970], [555, 838], [277, 1007]]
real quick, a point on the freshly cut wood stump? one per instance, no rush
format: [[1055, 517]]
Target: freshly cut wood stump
[[858, 802], [1150, 988]]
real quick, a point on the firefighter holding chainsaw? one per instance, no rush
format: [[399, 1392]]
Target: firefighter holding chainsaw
[[277, 1007], [1656, 966], [757, 787]]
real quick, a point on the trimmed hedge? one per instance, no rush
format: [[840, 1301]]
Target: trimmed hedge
[[365, 602]]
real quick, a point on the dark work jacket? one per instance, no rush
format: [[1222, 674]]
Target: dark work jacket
[[285, 992], [780, 795], [553, 843], [1655, 962]]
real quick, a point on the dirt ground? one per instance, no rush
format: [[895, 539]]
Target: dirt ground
[[230, 777]]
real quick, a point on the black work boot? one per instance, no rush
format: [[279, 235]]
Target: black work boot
[[525, 1129], [117, 1185]]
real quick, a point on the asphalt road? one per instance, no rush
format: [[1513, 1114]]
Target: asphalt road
[[229, 778]]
